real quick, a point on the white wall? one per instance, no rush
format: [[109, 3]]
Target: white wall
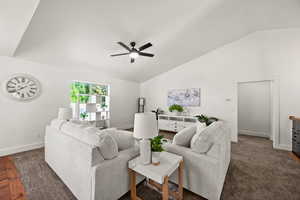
[[217, 74], [282, 59], [254, 108], [265, 55], [23, 124], [15, 17]]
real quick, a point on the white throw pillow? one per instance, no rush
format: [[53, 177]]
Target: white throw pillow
[[108, 147], [183, 137], [124, 139], [200, 126], [204, 139], [201, 141]]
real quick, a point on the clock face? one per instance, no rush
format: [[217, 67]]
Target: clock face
[[22, 87]]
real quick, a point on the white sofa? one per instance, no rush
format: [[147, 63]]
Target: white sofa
[[204, 174], [81, 166]]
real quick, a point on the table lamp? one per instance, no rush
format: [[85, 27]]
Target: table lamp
[[145, 128]]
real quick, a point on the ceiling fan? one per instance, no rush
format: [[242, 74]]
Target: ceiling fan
[[133, 52]]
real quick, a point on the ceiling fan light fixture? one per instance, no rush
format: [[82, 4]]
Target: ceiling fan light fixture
[[134, 55]]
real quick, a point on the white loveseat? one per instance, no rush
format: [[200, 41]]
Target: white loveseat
[[204, 173], [81, 166]]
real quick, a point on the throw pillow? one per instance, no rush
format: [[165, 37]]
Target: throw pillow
[[200, 126], [124, 139], [108, 147], [202, 141], [183, 138]]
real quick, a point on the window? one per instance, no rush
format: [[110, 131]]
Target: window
[[90, 101]]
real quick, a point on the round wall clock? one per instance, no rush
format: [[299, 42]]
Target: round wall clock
[[22, 87]]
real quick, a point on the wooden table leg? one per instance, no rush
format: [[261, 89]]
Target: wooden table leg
[[165, 188], [132, 185], [180, 180]]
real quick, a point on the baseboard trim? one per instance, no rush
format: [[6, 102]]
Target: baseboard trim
[[18, 149], [254, 133], [284, 147]]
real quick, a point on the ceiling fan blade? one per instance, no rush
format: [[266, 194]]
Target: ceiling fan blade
[[146, 54], [120, 54], [132, 60], [145, 46], [124, 45]]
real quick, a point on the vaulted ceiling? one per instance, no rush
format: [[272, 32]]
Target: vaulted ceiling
[[15, 16], [77, 33]]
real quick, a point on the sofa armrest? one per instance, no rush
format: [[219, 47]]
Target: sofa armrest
[[200, 171], [124, 132], [111, 178], [187, 152]]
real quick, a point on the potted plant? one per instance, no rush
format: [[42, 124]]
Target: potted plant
[[83, 115], [156, 148], [207, 120], [175, 109]]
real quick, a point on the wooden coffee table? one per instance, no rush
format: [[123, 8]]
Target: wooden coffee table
[[158, 175]]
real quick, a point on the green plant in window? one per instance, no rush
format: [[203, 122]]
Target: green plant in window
[[95, 90], [104, 90], [78, 90], [74, 93], [83, 99], [84, 88]]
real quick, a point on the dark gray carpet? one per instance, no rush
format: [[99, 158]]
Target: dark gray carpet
[[256, 172]]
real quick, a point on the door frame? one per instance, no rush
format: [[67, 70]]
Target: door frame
[[274, 108]]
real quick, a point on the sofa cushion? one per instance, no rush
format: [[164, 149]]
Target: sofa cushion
[[124, 139], [79, 132], [200, 126], [57, 123], [201, 143], [108, 147], [184, 137], [204, 139]]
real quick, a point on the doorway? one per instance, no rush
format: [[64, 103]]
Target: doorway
[[255, 109]]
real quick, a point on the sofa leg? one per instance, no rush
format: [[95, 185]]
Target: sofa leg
[[180, 180]]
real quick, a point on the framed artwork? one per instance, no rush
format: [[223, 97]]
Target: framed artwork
[[184, 97]]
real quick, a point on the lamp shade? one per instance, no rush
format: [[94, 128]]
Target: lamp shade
[[65, 113], [145, 125]]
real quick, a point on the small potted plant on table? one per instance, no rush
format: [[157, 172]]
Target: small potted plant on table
[[156, 148]]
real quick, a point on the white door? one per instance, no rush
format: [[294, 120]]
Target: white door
[[254, 108]]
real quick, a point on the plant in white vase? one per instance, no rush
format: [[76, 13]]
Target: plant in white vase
[[156, 148], [176, 109]]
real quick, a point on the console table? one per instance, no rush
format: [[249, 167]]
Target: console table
[[175, 123]]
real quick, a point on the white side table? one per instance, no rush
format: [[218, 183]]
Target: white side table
[[158, 174]]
